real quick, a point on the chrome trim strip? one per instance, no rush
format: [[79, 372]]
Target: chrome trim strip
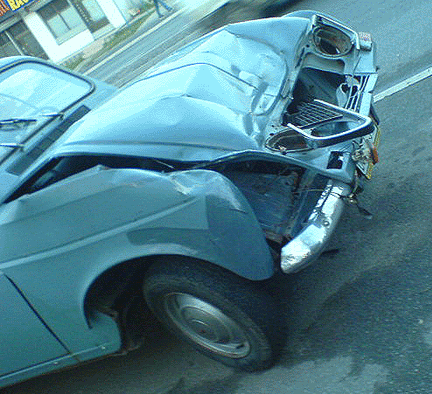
[[309, 243]]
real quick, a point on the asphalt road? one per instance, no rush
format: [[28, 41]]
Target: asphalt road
[[360, 319]]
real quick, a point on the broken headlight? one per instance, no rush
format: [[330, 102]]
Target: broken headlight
[[332, 39]]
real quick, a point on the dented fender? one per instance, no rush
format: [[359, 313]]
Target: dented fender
[[233, 230], [198, 213]]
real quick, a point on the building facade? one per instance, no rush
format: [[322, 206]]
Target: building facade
[[56, 29]]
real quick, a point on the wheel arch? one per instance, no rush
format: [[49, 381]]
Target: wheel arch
[[117, 293]]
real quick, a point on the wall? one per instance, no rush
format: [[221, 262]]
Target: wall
[[55, 51]]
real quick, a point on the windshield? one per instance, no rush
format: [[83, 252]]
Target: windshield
[[34, 91]]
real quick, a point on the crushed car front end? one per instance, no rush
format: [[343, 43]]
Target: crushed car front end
[[310, 126], [329, 119], [324, 125], [282, 107]]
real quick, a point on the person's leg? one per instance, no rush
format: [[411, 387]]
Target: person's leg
[[167, 7], [156, 3]]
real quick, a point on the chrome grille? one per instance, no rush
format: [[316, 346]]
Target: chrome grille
[[354, 99], [314, 113]]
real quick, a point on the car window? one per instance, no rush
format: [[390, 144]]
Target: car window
[[29, 88], [34, 91]]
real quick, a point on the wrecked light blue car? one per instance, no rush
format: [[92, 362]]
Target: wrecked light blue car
[[180, 194]]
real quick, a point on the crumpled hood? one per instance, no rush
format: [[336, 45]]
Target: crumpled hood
[[178, 128], [209, 99]]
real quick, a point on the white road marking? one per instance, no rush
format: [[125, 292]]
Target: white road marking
[[403, 85]]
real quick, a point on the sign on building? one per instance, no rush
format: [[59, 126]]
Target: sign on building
[[8, 7]]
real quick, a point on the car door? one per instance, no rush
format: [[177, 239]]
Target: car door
[[25, 340]]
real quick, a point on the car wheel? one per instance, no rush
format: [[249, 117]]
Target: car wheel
[[222, 315]]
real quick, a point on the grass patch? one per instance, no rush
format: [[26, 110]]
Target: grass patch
[[73, 63], [123, 34]]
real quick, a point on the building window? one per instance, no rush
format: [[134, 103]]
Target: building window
[[18, 40], [25, 40], [92, 14], [62, 19], [7, 48]]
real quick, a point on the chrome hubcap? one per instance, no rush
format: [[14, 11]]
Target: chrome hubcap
[[206, 325]]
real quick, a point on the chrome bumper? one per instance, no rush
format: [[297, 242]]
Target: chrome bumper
[[309, 243]]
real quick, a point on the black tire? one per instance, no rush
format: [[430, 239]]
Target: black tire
[[228, 318]]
